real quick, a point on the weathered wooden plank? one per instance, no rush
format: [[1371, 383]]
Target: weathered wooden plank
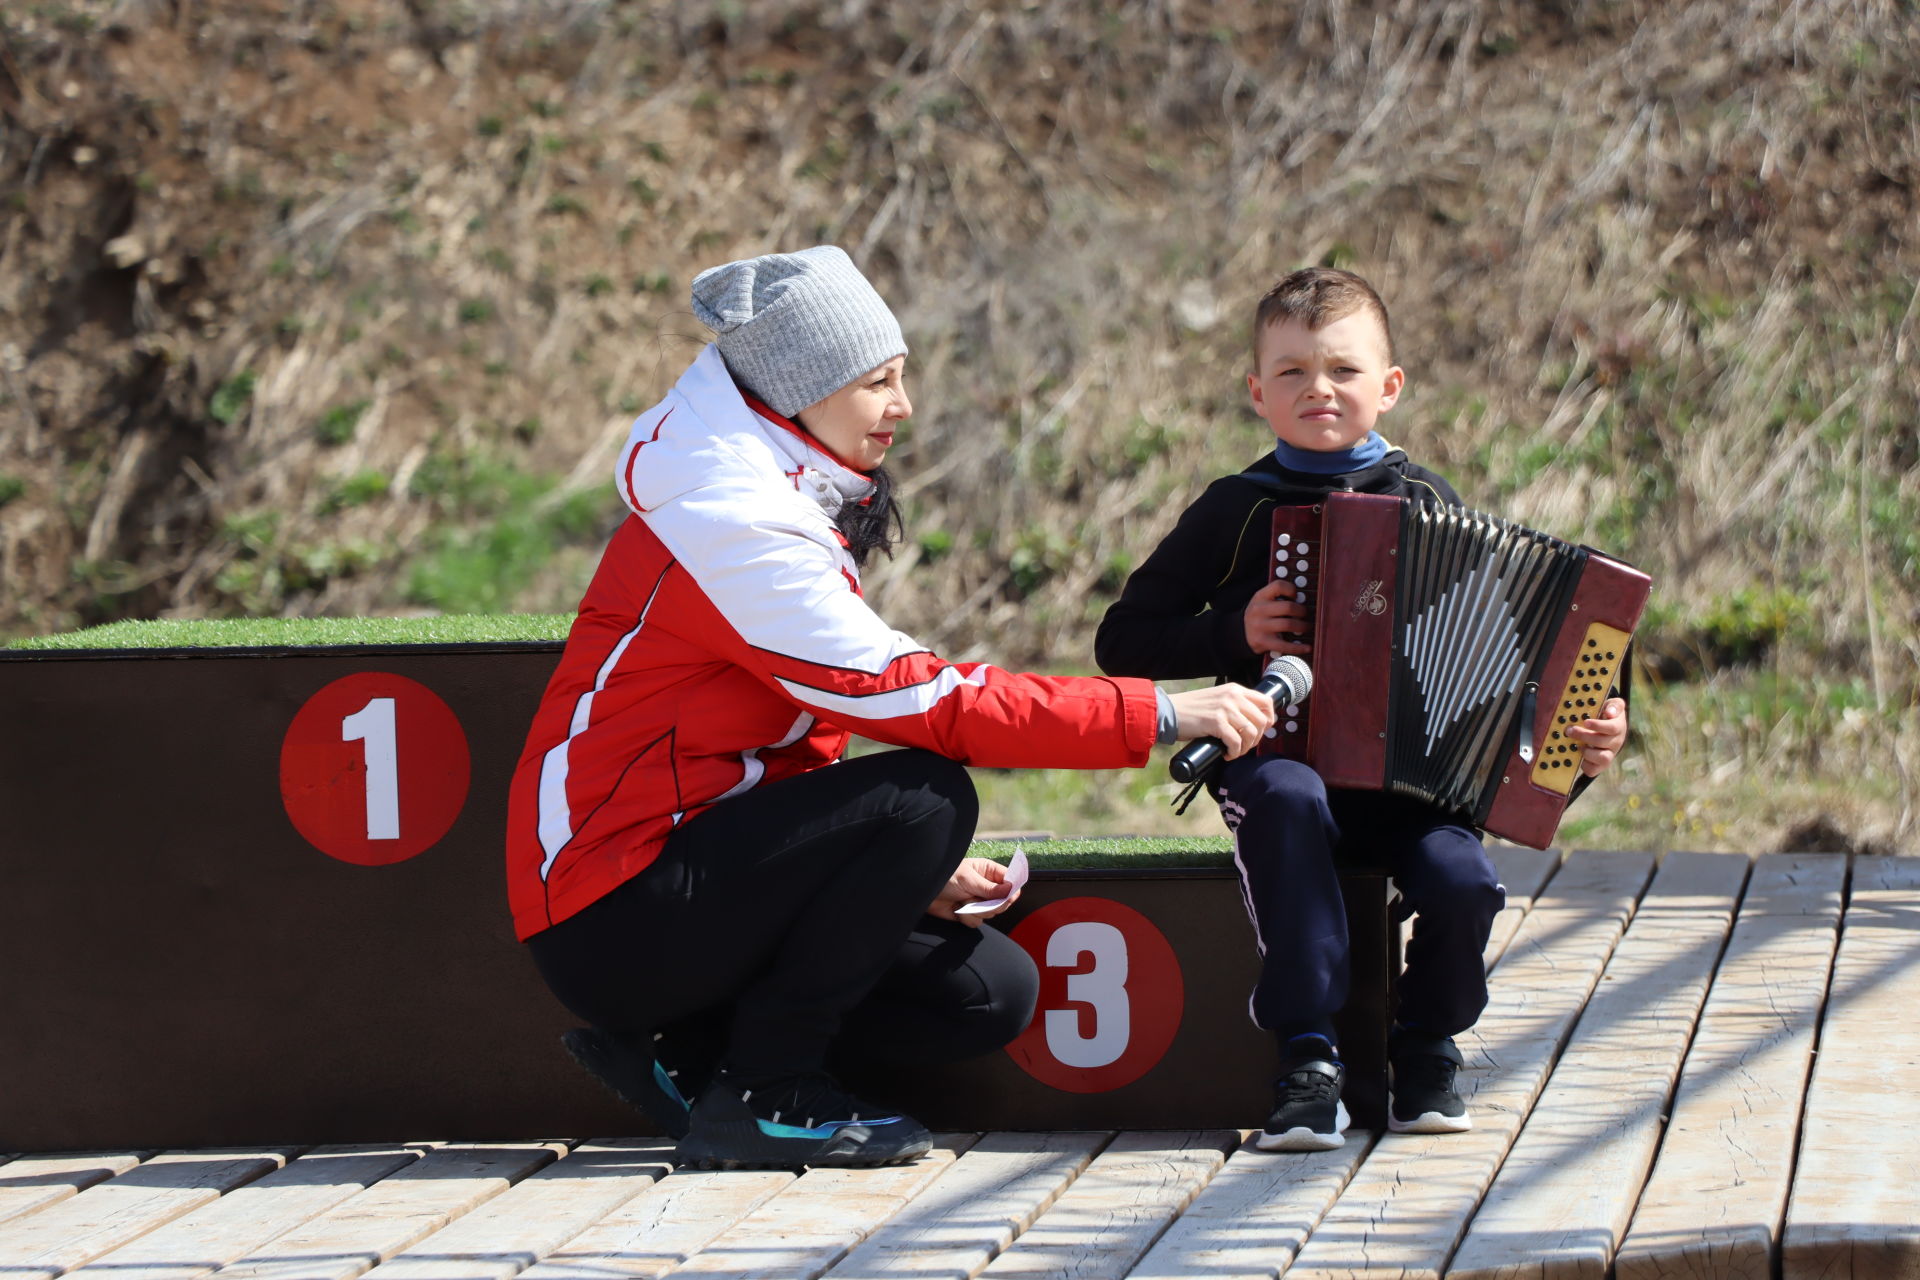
[[959, 1224], [1250, 1221], [1115, 1210], [1855, 1207], [1524, 872], [1713, 1207], [1568, 1187], [361, 1232], [246, 1218], [516, 1229], [815, 1222], [1406, 1207], [32, 1182], [661, 1228], [64, 1236]]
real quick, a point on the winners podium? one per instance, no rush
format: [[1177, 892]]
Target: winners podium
[[257, 895]]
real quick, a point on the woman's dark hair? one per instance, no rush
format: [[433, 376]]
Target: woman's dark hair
[[873, 523]]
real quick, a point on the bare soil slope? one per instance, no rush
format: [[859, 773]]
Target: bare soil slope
[[342, 306]]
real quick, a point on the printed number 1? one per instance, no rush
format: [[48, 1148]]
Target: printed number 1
[[373, 725], [1102, 988]]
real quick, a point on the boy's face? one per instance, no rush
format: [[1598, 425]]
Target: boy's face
[[1323, 389]]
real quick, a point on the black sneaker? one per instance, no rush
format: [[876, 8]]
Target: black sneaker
[[1307, 1112], [803, 1120], [1420, 1071], [636, 1078]]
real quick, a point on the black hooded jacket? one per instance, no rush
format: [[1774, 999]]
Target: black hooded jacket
[[1180, 615]]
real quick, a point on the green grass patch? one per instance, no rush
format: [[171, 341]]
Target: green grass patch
[[262, 633], [1124, 852]]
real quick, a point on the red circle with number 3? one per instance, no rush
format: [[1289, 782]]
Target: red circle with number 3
[[1110, 995], [374, 769]]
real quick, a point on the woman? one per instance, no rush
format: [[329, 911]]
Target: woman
[[722, 909]]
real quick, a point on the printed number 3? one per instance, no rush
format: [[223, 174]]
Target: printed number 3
[[1103, 989], [373, 725]]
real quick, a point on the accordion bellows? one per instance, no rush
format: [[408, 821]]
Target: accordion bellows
[[1451, 648]]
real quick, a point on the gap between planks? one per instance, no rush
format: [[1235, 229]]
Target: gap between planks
[[1567, 1188], [1411, 1198], [1712, 1209]]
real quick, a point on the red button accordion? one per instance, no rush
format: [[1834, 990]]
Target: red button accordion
[[1450, 650]]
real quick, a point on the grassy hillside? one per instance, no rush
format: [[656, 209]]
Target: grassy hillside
[[342, 307]]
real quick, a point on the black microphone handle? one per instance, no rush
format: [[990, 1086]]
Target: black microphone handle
[[1197, 759], [1203, 755]]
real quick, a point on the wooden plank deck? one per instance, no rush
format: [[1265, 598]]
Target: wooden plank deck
[[1648, 1102]]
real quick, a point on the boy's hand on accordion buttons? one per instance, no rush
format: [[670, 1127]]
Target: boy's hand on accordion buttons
[[1272, 624], [1232, 713], [1601, 737]]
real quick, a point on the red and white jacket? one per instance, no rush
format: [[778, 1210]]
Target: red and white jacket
[[723, 644]]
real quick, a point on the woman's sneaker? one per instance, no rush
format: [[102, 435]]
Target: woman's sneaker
[[1421, 1070], [636, 1078], [1307, 1112], [795, 1122]]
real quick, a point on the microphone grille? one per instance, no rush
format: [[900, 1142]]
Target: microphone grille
[[1297, 674]]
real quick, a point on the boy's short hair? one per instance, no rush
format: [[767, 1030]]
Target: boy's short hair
[[1316, 297]]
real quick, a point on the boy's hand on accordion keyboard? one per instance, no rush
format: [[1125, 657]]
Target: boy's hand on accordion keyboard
[[1232, 713], [1601, 737], [1274, 625]]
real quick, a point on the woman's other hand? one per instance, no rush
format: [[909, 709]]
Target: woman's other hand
[[1601, 737], [1273, 625], [974, 880], [1232, 713]]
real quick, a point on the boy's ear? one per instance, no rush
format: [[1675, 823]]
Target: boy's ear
[[1390, 387], [1253, 390]]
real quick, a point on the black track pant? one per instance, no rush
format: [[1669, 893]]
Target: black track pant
[[788, 922]]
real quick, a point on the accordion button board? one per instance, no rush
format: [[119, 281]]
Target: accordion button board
[[1451, 651], [1596, 671]]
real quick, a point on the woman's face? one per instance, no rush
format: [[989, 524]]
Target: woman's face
[[856, 423]]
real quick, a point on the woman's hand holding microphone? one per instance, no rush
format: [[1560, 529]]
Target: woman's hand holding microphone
[[1233, 713]]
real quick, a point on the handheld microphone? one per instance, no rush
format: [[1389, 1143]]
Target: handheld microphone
[[1287, 681]]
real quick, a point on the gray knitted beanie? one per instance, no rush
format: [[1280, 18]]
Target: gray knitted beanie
[[796, 327]]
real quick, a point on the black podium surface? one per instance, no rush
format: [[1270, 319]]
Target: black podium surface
[[258, 896]]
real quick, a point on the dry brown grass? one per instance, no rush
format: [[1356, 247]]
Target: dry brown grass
[[1653, 270]]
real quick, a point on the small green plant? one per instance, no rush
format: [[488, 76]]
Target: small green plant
[[475, 311], [598, 285], [1747, 624], [11, 487], [563, 202], [336, 425], [231, 398], [490, 126], [356, 490]]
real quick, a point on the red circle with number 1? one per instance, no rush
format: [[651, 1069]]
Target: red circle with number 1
[[374, 769], [1110, 995]]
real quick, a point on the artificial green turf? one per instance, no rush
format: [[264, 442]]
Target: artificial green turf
[[263, 633], [1113, 851]]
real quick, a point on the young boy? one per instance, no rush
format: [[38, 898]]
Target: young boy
[[1201, 606]]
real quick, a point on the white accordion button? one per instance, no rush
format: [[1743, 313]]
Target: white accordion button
[[1285, 538], [1300, 582], [1271, 733], [1293, 711], [1303, 548], [1293, 726]]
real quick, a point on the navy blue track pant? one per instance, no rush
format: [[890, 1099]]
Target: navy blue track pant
[[1287, 827]]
